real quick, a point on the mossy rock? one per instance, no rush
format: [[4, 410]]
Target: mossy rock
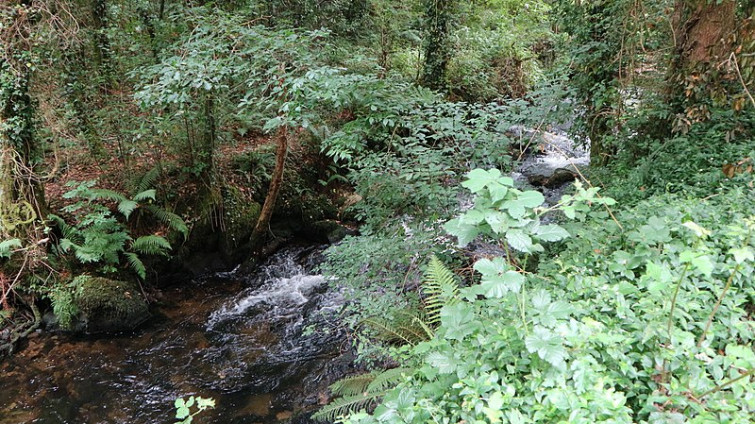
[[109, 306]]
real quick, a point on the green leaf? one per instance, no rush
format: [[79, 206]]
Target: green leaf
[[126, 207], [444, 363], [498, 221], [487, 267], [531, 199], [496, 286], [182, 412], [478, 179], [548, 345], [464, 233], [551, 232], [515, 208], [519, 240], [741, 254], [145, 195]]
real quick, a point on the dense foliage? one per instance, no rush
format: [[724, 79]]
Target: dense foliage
[[136, 130]]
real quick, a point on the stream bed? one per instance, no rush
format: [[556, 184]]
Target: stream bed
[[264, 346]]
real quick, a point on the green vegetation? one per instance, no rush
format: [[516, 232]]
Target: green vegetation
[[626, 298]]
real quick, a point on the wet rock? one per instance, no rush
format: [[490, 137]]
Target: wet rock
[[559, 162], [328, 231], [108, 306]]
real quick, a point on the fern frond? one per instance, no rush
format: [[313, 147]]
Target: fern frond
[[105, 194], [68, 231], [353, 385], [401, 328], [151, 245], [439, 287], [173, 221], [6, 247], [147, 180], [145, 195], [126, 207], [136, 264], [344, 405], [388, 379]]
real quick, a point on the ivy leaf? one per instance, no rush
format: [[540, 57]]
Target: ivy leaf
[[548, 345], [519, 240], [551, 232]]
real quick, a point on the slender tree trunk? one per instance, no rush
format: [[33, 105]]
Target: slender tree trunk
[[438, 19], [101, 43], [260, 229], [207, 153]]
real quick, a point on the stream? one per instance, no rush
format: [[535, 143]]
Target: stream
[[264, 346]]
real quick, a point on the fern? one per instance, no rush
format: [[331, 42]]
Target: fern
[[6, 247], [146, 181], [151, 245], [136, 264], [388, 379], [359, 392], [173, 221], [345, 405], [439, 287], [69, 232], [104, 194], [127, 206], [353, 385], [402, 328], [145, 195]]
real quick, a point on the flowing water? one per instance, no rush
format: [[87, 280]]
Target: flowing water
[[264, 346]]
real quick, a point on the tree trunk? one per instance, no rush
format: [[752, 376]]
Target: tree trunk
[[437, 49], [21, 193], [258, 235], [703, 39], [101, 43]]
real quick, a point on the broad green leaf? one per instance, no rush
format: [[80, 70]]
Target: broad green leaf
[[531, 199], [477, 179], [515, 208], [487, 267], [497, 191], [464, 233], [498, 221], [519, 240], [742, 254], [496, 286], [547, 344], [444, 363], [551, 232]]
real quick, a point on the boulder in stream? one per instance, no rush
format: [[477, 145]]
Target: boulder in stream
[[106, 306]]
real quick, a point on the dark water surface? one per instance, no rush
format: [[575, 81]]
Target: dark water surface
[[238, 339]]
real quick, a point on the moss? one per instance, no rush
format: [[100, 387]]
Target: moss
[[109, 305]]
